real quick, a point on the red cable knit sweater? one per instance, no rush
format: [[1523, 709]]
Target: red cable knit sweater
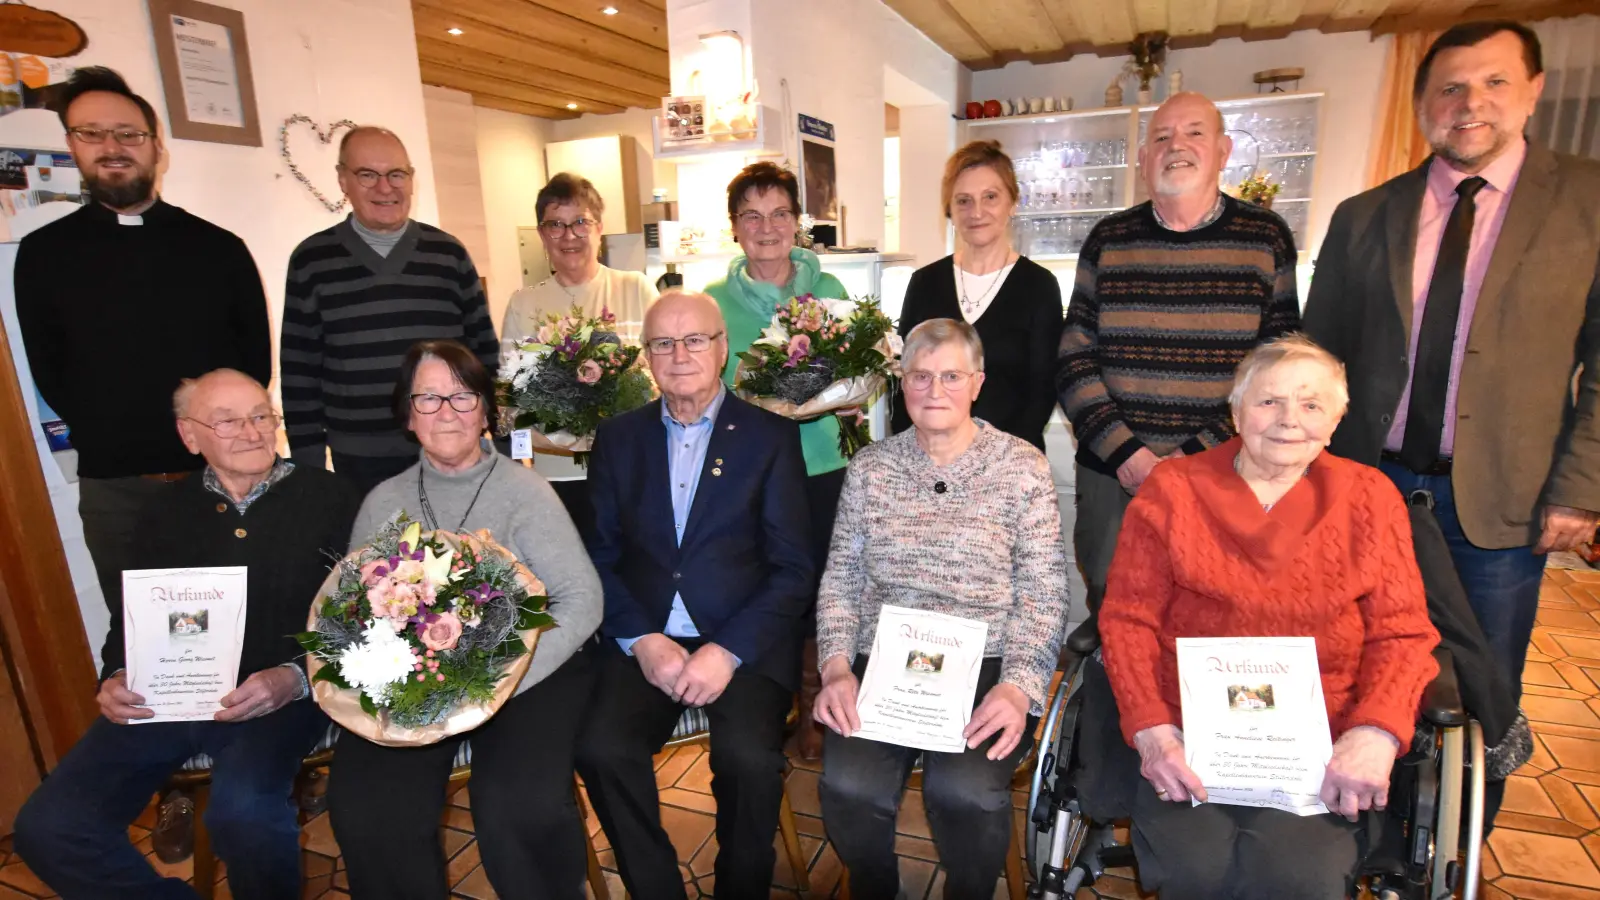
[[1199, 557]]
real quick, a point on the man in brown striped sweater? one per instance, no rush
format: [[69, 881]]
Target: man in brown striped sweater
[[1170, 295]]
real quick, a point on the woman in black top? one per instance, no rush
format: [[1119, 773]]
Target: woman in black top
[[1013, 302]]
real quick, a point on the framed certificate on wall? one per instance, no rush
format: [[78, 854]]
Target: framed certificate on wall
[[205, 72]]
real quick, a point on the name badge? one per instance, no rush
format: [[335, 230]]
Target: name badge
[[522, 444]]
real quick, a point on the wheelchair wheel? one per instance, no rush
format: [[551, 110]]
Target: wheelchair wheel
[[1057, 827]]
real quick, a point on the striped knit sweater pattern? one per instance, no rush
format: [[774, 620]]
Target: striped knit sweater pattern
[[988, 547], [350, 315], [1159, 320]]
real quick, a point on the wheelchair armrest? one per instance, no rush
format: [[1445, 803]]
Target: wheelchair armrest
[[1441, 699], [1085, 639]]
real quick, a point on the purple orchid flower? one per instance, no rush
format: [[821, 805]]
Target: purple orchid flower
[[483, 593]]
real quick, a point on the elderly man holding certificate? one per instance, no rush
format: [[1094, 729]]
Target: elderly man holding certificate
[[938, 624], [180, 620], [1265, 598]]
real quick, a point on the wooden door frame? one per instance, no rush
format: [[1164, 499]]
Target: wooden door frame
[[40, 622]]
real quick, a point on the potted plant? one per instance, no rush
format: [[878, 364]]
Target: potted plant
[[1148, 52]]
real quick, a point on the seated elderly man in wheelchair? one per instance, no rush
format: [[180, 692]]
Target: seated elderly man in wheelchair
[[1267, 536], [287, 525]]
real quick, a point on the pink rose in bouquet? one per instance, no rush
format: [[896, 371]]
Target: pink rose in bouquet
[[589, 372], [373, 572], [441, 631]]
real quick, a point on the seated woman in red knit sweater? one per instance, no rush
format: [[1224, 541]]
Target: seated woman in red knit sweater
[[1266, 535]]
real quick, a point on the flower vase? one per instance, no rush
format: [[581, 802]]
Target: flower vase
[[1144, 96]]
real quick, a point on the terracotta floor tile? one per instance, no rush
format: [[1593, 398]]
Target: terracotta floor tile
[[705, 861], [1575, 731], [458, 818], [19, 876], [318, 836], [668, 773], [1544, 857], [1543, 642], [688, 830], [1576, 678], [1526, 889], [905, 845], [1577, 644], [1573, 753], [12, 894], [462, 864], [698, 776], [1571, 803], [1557, 599], [1524, 795], [826, 872], [476, 886], [1490, 867], [1537, 824], [1541, 761], [453, 841], [1490, 892], [184, 869], [1113, 886], [1560, 712], [803, 792], [1591, 793], [462, 798], [676, 796], [782, 872], [811, 825], [915, 876], [913, 819], [1561, 691], [1566, 618]]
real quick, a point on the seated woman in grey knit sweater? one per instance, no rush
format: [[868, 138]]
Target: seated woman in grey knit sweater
[[951, 516], [385, 802]]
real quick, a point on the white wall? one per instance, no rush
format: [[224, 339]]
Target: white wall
[[453, 143], [1348, 67], [327, 59], [511, 161]]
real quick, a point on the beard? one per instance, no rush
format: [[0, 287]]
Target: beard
[[121, 193], [1461, 160]]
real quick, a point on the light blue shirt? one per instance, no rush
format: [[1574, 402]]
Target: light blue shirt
[[686, 458]]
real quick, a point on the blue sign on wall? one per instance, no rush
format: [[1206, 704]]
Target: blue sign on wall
[[816, 127]]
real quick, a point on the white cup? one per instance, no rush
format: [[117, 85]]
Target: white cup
[[1035, 105], [1049, 104], [1019, 107], [1064, 104]]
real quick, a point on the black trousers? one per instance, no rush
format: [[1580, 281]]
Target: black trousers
[[367, 472], [967, 795], [385, 802], [629, 721]]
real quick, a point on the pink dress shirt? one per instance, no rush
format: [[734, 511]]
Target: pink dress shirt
[[1437, 204]]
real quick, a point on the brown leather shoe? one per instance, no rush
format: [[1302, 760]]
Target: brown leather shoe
[[173, 837]]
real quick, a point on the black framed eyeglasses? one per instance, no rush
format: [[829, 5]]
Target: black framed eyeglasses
[[579, 227], [367, 178], [265, 423], [461, 402], [694, 343], [126, 137]]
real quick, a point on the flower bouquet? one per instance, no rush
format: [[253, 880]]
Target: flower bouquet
[[1258, 190], [818, 357], [419, 636], [562, 381]]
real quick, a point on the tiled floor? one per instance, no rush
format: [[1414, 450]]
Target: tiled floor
[[1546, 845]]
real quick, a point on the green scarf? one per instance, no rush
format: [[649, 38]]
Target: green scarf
[[760, 298]]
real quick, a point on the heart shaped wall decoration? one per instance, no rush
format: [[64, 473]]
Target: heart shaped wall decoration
[[326, 137]]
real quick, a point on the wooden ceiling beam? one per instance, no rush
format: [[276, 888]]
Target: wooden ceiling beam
[[1356, 15], [1150, 16], [1193, 18], [1430, 19], [1275, 13], [1232, 13], [634, 19], [493, 40], [952, 33], [578, 38], [446, 53], [473, 83], [490, 101], [1010, 25]]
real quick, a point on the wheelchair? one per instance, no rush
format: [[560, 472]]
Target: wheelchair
[[1436, 792]]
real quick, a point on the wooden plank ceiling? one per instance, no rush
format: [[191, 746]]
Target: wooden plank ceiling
[[556, 59], [987, 34]]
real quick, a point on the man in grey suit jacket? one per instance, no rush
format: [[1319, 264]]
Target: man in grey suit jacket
[[1463, 298]]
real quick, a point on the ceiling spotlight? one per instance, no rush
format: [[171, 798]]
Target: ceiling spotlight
[[572, 106], [608, 10], [455, 31]]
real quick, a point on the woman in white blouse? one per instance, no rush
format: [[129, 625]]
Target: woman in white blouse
[[569, 211], [1012, 301]]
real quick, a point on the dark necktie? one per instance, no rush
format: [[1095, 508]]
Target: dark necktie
[[1430, 373]]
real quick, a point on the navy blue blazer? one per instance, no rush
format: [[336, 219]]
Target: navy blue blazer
[[744, 568]]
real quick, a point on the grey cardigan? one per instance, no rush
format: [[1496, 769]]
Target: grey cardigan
[[521, 511]]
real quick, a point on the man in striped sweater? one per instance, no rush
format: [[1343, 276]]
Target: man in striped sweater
[[359, 295], [1170, 296]]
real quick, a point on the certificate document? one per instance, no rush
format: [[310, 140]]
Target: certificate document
[[1255, 727], [183, 629], [210, 75], [921, 679]]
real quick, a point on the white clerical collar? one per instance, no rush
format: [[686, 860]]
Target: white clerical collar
[[129, 220]]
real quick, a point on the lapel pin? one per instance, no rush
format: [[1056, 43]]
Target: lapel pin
[[730, 427], [716, 471], [719, 461]]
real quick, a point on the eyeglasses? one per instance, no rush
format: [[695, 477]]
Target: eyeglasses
[[919, 380], [694, 343], [780, 218], [266, 423], [369, 178], [579, 228], [127, 137], [461, 402]]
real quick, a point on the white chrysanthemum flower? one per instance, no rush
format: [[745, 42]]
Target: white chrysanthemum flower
[[383, 658]]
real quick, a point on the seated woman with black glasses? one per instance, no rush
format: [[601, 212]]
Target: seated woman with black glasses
[[385, 802]]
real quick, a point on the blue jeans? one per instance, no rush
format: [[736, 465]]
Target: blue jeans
[[73, 831], [1502, 585]]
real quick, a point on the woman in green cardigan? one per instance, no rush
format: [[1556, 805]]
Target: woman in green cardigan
[[763, 204]]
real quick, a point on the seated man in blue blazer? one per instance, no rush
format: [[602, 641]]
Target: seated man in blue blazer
[[702, 541]]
